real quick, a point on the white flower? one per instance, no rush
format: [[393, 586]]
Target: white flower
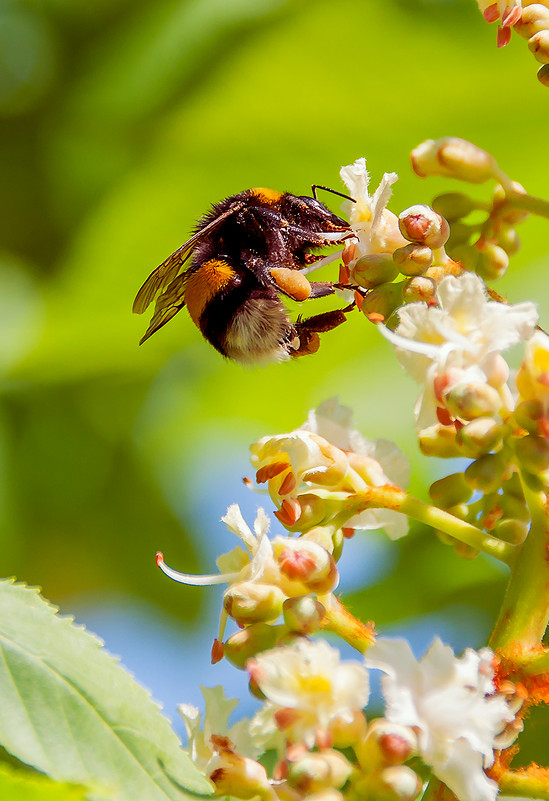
[[327, 456], [375, 226], [237, 565], [387, 464], [459, 341], [308, 689], [216, 722], [452, 705]]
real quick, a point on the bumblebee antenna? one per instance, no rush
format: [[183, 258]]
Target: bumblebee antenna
[[314, 187]]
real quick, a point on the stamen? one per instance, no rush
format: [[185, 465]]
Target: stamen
[[269, 471], [288, 484], [196, 581], [289, 513]]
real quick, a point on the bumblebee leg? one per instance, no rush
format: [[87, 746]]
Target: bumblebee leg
[[308, 330]]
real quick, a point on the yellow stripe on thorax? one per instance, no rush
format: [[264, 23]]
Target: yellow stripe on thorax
[[204, 284], [266, 195]]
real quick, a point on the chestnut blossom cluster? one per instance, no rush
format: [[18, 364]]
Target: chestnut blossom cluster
[[530, 19], [420, 276], [442, 709]]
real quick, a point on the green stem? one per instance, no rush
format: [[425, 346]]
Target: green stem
[[341, 622], [535, 205], [536, 665], [389, 497], [525, 611]]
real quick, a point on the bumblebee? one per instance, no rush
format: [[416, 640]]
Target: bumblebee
[[246, 252]]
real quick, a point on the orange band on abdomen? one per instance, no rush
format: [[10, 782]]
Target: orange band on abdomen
[[204, 284]]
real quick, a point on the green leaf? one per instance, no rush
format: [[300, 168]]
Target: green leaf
[[19, 785], [69, 710]]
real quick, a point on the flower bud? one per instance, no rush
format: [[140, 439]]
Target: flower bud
[[440, 441], [543, 75], [385, 743], [404, 784], [322, 535], [374, 269], [514, 507], [422, 224], [486, 472], [511, 531], [383, 300], [305, 561], [528, 414], [319, 770], [413, 259], [250, 602], [480, 436], [419, 288], [303, 615], [539, 46], [450, 490], [493, 261], [468, 255], [248, 642], [533, 453], [348, 732], [455, 158], [237, 776], [313, 511], [508, 239], [454, 205], [534, 18], [469, 400]]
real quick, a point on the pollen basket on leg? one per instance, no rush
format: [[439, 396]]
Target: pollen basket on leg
[[204, 284]]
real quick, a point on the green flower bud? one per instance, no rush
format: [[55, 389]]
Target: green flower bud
[[454, 158], [493, 261], [440, 441], [528, 414], [514, 507], [512, 487], [510, 530], [383, 300], [486, 472], [419, 288], [313, 512], [533, 453], [465, 551], [403, 783], [480, 435], [543, 75], [319, 770], [468, 401], [250, 641], [508, 239], [303, 615], [413, 259], [250, 602], [460, 234], [385, 743], [454, 205], [468, 255], [422, 224], [374, 269], [539, 46], [450, 490]]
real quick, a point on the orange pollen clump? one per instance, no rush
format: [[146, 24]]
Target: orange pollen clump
[[296, 564], [491, 14], [269, 471], [289, 512], [218, 651], [375, 317], [288, 484]]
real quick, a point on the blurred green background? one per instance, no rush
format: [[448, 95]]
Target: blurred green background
[[122, 121]]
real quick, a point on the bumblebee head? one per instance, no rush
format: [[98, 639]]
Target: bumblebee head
[[310, 214]]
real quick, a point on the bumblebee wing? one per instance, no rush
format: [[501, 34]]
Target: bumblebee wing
[[166, 272], [167, 305]]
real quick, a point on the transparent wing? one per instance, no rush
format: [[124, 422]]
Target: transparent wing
[[167, 305], [166, 272]]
